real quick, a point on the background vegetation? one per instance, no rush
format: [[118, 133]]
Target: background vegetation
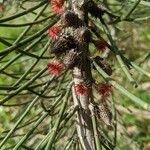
[[26, 87]]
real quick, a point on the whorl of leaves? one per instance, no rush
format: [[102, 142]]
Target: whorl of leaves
[[37, 111]]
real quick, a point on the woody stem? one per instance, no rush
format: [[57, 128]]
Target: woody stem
[[80, 75]]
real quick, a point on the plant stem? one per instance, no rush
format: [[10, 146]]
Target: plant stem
[[94, 123], [80, 75], [57, 124], [24, 114], [23, 13], [131, 10], [120, 88]]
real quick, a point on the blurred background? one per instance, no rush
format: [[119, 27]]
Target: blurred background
[[24, 77]]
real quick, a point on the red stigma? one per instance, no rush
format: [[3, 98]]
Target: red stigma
[[55, 67], [104, 89], [53, 31], [57, 6], [80, 88]]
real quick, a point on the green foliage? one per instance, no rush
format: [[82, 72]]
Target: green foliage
[[37, 108]]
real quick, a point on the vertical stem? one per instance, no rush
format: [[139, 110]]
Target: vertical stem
[[57, 124], [95, 130], [80, 75], [83, 120], [24, 115], [131, 10]]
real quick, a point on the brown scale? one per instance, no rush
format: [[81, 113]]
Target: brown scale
[[71, 59], [68, 43], [93, 9], [70, 39], [63, 43], [103, 113], [70, 19], [82, 35], [103, 64]]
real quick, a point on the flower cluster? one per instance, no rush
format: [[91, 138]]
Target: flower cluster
[[102, 109], [104, 89], [55, 67], [57, 6], [81, 89], [70, 36], [54, 31]]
